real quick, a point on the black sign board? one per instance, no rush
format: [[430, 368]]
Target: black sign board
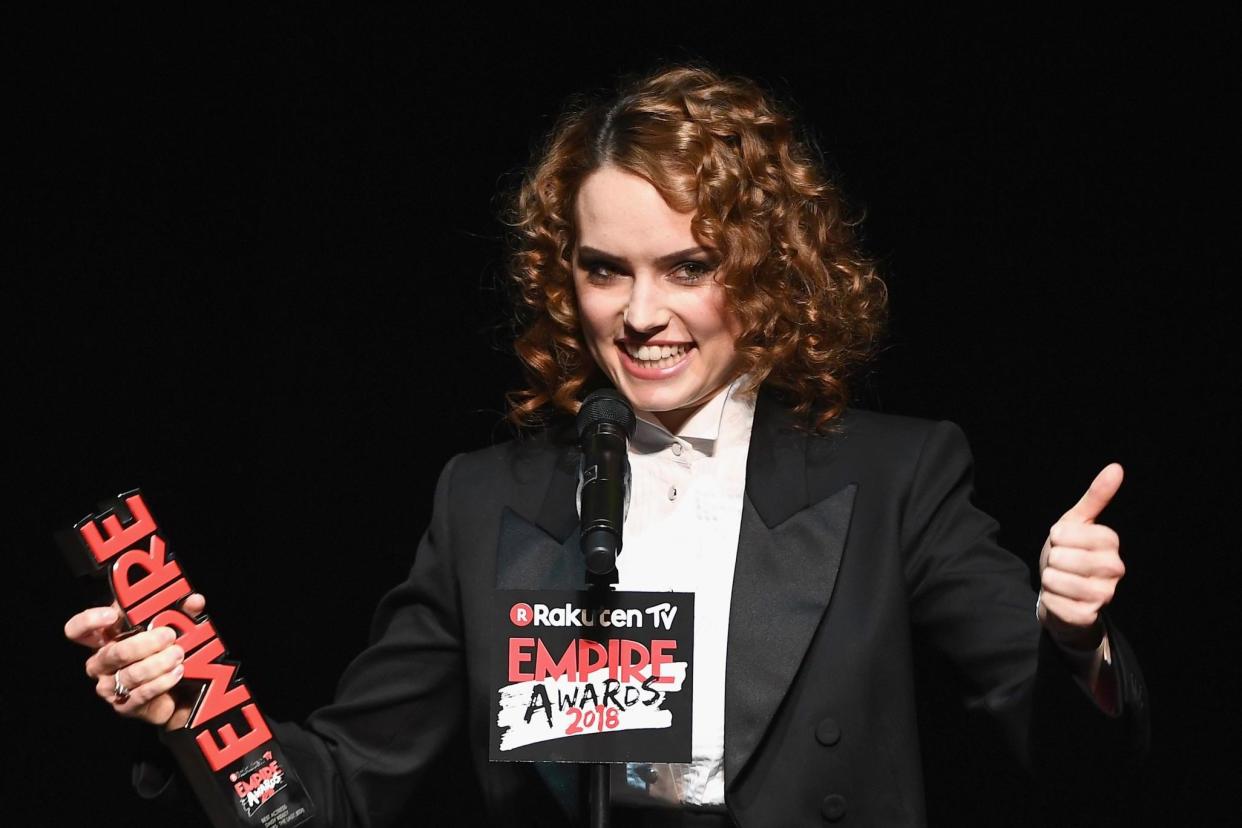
[[582, 676]]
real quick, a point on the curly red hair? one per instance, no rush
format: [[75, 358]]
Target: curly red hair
[[812, 306]]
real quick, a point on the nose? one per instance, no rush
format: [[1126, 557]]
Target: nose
[[646, 312]]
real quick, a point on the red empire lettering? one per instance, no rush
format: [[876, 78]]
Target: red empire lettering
[[659, 658], [118, 539], [150, 596], [216, 698], [158, 572], [614, 658], [546, 667], [518, 655], [623, 657], [189, 633], [586, 663], [163, 599], [631, 671], [232, 747]]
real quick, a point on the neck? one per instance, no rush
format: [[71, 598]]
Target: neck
[[674, 420]]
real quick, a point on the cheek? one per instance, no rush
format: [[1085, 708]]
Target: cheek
[[717, 322], [591, 320]]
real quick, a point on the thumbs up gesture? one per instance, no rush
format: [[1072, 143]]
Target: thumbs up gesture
[[1080, 566]]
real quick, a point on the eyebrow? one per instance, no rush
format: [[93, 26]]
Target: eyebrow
[[663, 261]]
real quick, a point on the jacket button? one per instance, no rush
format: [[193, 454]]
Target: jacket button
[[828, 732], [833, 808]]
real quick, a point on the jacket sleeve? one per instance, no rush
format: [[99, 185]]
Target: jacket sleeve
[[398, 706], [972, 600]]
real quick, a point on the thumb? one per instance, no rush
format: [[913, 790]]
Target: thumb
[[1097, 496]]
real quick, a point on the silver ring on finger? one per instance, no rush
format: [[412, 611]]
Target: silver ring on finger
[[119, 691]]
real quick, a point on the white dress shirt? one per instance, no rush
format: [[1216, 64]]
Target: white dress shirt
[[681, 534]]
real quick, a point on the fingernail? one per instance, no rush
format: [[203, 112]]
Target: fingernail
[[170, 635], [178, 670], [108, 616], [178, 653]]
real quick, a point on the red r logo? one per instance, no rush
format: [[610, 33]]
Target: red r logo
[[521, 614]]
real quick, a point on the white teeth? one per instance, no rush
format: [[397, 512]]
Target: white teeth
[[658, 356]]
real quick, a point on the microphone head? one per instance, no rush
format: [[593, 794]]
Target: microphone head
[[607, 405]]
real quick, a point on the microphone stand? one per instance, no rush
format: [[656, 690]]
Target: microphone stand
[[599, 777], [605, 423]]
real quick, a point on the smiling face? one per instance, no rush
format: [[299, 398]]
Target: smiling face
[[652, 313]]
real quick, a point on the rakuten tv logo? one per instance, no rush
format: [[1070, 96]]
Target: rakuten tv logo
[[522, 614]]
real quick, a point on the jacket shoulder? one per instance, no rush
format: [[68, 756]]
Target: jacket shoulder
[[880, 446], [514, 455], [864, 420], [881, 433], [515, 472]]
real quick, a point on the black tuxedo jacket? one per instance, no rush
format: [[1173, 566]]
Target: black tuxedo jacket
[[852, 547]]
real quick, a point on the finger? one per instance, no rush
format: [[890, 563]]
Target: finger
[[1066, 612], [194, 604], [136, 703], [1084, 535], [90, 627], [149, 691], [1088, 563], [1097, 496], [118, 654], [151, 667], [105, 688], [1091, 592]]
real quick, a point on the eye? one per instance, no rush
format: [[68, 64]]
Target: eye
[[693, 271], [599, 274]]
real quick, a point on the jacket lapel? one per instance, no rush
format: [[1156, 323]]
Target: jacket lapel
[[790, 546], [543, 553], [528, 557]]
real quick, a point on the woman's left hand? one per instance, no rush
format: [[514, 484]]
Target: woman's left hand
[[1080, 566]]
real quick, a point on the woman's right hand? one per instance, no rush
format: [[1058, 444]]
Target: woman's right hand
[[148, 663]]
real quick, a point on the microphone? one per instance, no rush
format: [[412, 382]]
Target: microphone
[[605, 423]]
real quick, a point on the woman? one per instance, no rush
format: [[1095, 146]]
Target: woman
[[680, 242]]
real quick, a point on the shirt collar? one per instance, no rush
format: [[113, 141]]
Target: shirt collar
[[703, 428]]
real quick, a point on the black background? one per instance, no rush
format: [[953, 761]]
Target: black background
[[258, 269]]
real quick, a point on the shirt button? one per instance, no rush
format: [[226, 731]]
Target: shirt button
[[677, 449], [672, 492]]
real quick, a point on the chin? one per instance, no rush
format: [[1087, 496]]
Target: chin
[[656, 399]]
